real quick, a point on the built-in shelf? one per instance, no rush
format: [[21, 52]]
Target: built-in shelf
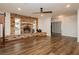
[[25, 20]]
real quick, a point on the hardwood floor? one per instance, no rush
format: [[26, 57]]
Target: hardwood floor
[[41, 46]]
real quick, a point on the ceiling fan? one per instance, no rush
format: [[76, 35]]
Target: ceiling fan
[[42, 12]]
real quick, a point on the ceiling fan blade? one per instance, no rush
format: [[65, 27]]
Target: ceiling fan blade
[[41, 11], [36, 12], [47, 12]]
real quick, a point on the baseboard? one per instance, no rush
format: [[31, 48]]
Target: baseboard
[[63, 36], [69, 37]]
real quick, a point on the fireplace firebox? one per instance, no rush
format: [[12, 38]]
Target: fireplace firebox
[[27, 29]]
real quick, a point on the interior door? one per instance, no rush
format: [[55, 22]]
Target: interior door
[[56, 29]]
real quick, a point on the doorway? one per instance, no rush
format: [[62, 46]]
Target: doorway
[[56, 29]]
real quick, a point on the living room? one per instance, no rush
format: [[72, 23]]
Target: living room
[[41, 27]]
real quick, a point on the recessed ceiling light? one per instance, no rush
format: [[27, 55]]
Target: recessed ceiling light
[[67, 6], [19, 9], [41, 14]]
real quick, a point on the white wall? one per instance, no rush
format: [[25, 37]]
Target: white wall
[[68, 25], [7, 24], [44, 23]]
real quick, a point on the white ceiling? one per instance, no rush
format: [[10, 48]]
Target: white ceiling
[[29, 8]]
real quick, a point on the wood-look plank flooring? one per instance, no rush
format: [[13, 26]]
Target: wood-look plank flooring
[[41, 46]]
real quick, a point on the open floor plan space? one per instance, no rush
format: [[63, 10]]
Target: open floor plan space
[[39, 28], [41, 46]]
